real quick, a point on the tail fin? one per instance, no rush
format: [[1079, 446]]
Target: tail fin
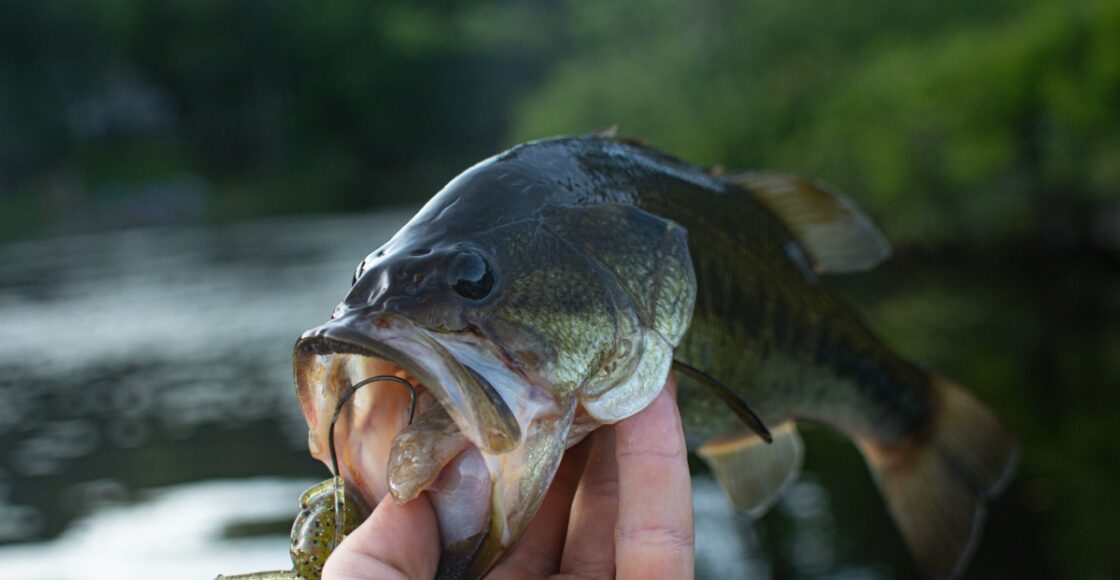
[[936, 488]]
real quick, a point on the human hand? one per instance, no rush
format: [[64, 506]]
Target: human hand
[[620, 506]]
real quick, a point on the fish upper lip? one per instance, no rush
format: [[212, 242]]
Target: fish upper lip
[[337, 337]]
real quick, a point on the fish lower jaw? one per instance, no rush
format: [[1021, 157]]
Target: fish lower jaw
[[381, 454], [460, 496], [451, 471], [485, 444], [431, 455]]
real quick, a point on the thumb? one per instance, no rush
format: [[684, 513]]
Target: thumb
[[396, 542]]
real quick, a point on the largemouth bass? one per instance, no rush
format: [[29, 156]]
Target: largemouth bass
[[547, 291]]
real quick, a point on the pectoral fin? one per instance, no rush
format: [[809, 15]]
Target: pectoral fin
[[833, 230], [753, 474]]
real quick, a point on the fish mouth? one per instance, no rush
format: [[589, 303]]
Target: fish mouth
[[356, 347], [466, 446]]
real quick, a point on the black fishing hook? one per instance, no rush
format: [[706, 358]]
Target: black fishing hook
[[349, 392], [339, 484]]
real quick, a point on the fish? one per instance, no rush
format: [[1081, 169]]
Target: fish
[[550, 289]]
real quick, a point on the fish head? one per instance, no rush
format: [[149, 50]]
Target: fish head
[[492, 305]]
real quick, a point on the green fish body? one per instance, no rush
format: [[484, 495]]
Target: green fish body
[[765, 326], [548, 290]]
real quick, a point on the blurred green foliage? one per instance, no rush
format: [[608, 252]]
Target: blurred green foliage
[[279, 106], [948, 120]]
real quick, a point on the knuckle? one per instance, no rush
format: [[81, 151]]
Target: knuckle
[[664, 538], [600, 488], [652, 454]]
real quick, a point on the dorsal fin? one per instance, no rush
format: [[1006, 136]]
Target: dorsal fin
[[834, 231], [608, 132]]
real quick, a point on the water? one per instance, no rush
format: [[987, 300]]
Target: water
[[155, 359], [137, 540], [149, 426]]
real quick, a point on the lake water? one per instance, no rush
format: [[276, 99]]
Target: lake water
[[149, 427]]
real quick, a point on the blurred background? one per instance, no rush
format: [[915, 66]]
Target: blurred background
[[185, 185]]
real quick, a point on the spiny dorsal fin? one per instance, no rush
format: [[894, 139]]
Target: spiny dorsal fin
[[834, 231], [753, 474], [608, 132]]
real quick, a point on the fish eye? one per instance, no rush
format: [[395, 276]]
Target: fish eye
[[470, 276]]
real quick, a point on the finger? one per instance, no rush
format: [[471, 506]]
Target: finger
[[538, 551], [671, 385], [654, 535], [394, 543], [589, 552]]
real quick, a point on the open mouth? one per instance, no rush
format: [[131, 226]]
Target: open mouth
[[485, 442], [459, 416]]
